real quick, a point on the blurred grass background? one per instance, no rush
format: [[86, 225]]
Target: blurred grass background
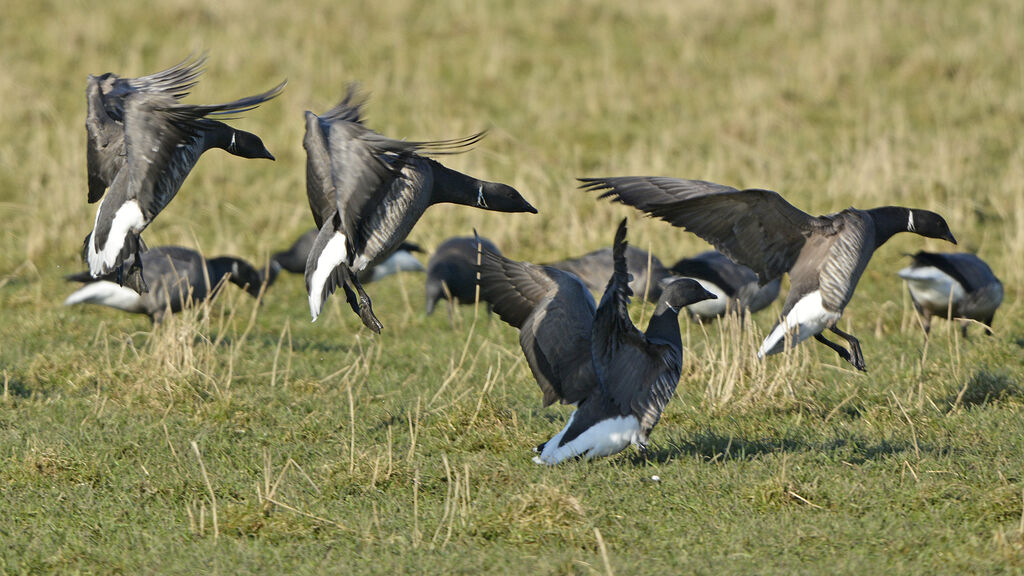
[[324, 447]]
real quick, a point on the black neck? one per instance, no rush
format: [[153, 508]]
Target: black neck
[[453, 186], [889, 220], [664, 325], [219, 135]]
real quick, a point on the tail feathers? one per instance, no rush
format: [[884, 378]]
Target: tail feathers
[[106, 293], [326, 267]]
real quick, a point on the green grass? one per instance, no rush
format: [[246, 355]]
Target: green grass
[[242, 438]]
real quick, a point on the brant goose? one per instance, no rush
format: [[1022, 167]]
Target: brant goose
[[451, 270], [619, 378], [161, 141], [824, 255], [953, 285], [178, 277], [735, 285], [596, 268], [294, 259], [367, 191]]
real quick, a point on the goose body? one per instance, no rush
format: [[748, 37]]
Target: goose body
[[619, 378], [956, 285], [825, 256], [451, 270], [178, 277], [596, 268], [294, 259], [367, 191], [142, 145], [735, 285]]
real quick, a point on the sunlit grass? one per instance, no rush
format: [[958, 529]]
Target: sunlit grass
[[239, 437]]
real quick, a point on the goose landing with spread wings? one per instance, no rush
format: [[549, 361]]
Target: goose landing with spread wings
[[367, 192], [824, 255], [142, 143], [619, 378]]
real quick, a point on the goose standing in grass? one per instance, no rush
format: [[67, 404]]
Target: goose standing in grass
[[160, 142], [824, 255], [451, 271], [178, 277], [294, 259], [367, 191], [735, 285], [619, 378], [596, 268], [953, 285]]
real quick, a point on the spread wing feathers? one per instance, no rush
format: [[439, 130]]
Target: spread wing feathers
[[613, 328], [176, 80], [156, 127], [970, 271], [756, 228], [319, 187], [105, 152], [642, 380], [514, 289], [554, 312]]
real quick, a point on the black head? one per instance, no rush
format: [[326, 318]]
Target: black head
[[679, 293], [501, 198], [929, 224], [239, 272], [248, 145]]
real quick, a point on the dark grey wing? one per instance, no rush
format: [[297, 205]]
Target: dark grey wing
[[175, 81], [104, 151], [637, 375], [160, 141], [319, 187], [642, 379], [613, 328], [756, 228], [970, 271], [554, 313]]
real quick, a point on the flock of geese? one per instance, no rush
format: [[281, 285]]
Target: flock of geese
[[367, 191]]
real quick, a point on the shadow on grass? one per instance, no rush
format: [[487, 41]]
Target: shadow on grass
[[714, 447], [986, 387]]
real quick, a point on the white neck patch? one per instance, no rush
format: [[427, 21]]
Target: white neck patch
[[480, 197], [910, 221]]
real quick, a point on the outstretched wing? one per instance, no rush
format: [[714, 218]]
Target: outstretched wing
[[554, 312], [155, 127], [756, 228]]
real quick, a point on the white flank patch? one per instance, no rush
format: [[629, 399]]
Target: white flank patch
[[127, 218], [931, 287], [806, 319], [605, 438], [398, 262], [334, 253], [106, 294], [709, 308]]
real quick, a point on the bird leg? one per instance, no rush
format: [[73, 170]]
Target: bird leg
[[855, 351], [843, 352], [365, 305]]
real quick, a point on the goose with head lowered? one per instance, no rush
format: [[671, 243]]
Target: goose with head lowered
[[367, 191], [178, 278], [735, 285], [953, 285], [451, 271], [619, 378], [162, 141], [824, 255]]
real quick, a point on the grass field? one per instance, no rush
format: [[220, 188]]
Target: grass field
[[241, 438]]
